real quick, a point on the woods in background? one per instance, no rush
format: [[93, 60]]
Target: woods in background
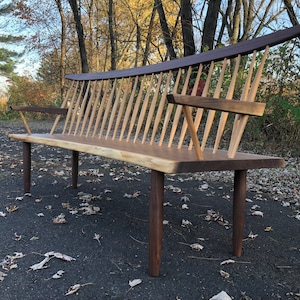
[[99, 35]]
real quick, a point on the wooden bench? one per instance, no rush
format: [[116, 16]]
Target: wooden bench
[[151, 116]]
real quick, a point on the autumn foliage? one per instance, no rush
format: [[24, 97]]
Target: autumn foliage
[[28, 92]]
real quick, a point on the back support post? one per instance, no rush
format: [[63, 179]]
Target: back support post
[[75, 155], [239, 202], [27, 166], [156, 221]]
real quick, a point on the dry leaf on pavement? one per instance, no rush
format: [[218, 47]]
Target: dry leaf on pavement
[[74, 288], [135, 282], [2, 275], [227, 261], [224, 274], [58, 274], [60, 219]]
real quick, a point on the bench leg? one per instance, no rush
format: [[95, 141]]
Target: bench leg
[[75, 156], [156, 221], [27, 166], [238, 214]]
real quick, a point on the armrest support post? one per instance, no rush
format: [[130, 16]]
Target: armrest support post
[[25, 122], [193, 132]]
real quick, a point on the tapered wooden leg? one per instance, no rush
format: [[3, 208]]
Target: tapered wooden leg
[[238, 214], [75, 156], [27, 167], [156, 221]]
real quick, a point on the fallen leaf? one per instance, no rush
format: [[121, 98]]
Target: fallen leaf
[[17, 237], [252, 236], [65, 205], [2, 275], [73, 289], [184, 207], [224, 274], [90, 210], [174, 189], [9, 262], [285, 203], [221, 296], [255, 207], [85, 196], [59, 173], [185, 199], [186, 223], [204, 186], [97, 237], [268, 229], [49, 255], [135, 282], [41, 265], [257, 213], [12, 208], [196, 247], [60, 256], [58, 274], [60, 219], [227, 261], [216, 217], [17, 255], [134, 195]]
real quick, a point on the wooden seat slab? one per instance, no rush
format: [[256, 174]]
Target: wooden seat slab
[[160, 158]]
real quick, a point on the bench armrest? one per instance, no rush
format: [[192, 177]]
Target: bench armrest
[[226, 105], [243, 109], [48, 110]]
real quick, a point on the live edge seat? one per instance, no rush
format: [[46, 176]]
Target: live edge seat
[[173, 117]]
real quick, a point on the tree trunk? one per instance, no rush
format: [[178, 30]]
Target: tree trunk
[[79, 29], [62, 47], [165, 29], [138, 43], [187, 27], [148, 40], [236, 23], [291, 12], [210, 25], [91, 24], [113, 50]]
